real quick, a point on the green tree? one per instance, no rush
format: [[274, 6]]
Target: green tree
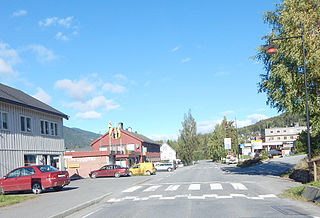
[[187, 142], [283, 81]]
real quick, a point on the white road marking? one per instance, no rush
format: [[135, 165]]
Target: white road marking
[[238, 195], [132, 189], [216, 186], [238, 186], [223, 196], [152, 188], [167, 198], [155, 196], [211, 196], [172, 188], [196, 197], [194, 187], [89, 214], [268, 196]]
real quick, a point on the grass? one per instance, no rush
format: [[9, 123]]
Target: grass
[[296, 192], [6, 200]]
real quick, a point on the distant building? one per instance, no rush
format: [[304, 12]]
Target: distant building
[[281, 138], [31, 132], [121, 147], [167, 153]]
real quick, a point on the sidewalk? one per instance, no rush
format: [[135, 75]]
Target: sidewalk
[[79, 192]]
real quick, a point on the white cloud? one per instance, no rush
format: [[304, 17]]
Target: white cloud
[[89, 115], [9, 54], [43, 54], [60, 36], [164, 137], [76, 89], [184, 60], [95, 103], [42, 96], [121, 76], [207, 126], [175, 49], [257, 117], [113, 88], [56, 21], [6, 69], [19, 13], [252, 119]]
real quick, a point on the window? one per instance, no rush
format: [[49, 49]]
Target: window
[[278, 131], [3, 120], [284, 130], [25, 124], [42, 127], [29, 171], [271, 131], [14, 174], [29, 160], [47, 168], [48, 128], [285, 137], [278, 138]]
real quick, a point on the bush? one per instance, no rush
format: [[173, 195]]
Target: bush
[[250, 162]]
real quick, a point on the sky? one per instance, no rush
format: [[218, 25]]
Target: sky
[[143, 63]]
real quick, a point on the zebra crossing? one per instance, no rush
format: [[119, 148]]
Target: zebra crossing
[[193, 191]]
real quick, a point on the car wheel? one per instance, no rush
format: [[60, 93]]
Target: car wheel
[[57, 188], [130, 173], [148, 173], [169, 169], [117, 175], [36, 188], [94, 175]]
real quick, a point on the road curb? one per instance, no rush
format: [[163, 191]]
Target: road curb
[[80, 207]]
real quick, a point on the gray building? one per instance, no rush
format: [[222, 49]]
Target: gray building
[[31, 132]]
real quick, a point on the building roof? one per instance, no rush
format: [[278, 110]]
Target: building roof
[[19, 98], [141, 137]]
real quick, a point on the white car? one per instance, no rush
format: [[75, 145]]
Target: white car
[[164, 167]]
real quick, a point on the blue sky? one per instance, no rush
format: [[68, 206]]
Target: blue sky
[[145, 63]]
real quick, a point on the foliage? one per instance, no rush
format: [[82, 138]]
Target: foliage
[[225, 129], [283, 81], [187, 142], [296, 192], [8, 200], [77, 138], [249, 162]]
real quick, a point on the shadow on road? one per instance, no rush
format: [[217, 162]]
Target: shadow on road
[[270, 168]]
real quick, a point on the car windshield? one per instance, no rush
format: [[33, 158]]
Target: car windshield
[[47, 168]]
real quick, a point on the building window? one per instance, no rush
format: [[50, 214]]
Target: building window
[[278, 138], [285, 137], [271, 131], [30, 160], [271, 139], [48, 128], [25, 124], [284, 130], [3, 120], [278, 131], [291, 137]]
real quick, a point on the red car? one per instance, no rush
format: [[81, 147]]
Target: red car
[[35, 178], [110, 170]]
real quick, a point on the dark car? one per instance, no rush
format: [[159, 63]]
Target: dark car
[[110, 170], [35, 178]]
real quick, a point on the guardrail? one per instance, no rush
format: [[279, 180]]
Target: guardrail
[[315, 170]]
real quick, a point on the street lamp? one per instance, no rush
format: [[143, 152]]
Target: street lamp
[[271, 49]]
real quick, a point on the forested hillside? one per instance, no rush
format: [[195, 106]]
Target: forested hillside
[[78, 138]]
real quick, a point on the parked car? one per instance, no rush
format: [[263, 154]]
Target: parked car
[[164, 167], [35, 178], [110, 170], [142, 168]]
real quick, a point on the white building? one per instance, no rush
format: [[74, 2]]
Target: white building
[[282, 138], [31, 132], [167, 153]]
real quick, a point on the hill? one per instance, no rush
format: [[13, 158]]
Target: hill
[[78, 138]]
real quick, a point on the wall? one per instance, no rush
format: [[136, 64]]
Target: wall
[[86, 164], [14, 144]]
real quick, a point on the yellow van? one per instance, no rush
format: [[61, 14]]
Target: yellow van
[[142, 168]]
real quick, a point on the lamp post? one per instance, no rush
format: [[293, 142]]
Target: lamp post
[[271, 49]]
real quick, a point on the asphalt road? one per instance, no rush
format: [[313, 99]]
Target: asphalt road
[[204, 190]]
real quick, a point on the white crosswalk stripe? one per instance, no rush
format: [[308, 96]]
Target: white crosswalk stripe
[[152, 188], [194, 187], [172, 188], [238, 186], [216, 186], [132, 189]]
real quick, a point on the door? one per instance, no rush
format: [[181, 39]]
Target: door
[[25, 178], [10, 183], [103, 171], [111, 170]]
